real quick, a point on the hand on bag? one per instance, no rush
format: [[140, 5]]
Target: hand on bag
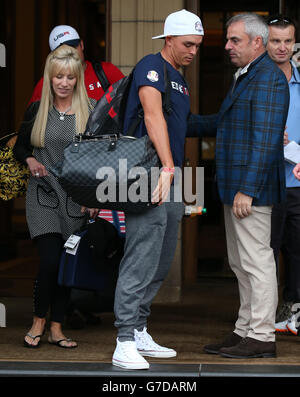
[[242, 205], [92, 211], [162, 189], [296, 171], [36, 168]]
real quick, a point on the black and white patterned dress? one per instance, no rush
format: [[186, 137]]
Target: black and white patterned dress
[[48, 208]]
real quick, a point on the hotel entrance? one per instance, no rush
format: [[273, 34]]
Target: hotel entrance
[[200, 299]]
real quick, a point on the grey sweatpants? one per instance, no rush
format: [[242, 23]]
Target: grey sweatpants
[[151, 239]]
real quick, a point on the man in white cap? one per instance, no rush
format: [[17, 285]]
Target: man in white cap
[[151, 237], [64, 34]]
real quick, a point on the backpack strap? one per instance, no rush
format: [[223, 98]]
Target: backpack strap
[[167, 95], [101, 75], [166, 104]]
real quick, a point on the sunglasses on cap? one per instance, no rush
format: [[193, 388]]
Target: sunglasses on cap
[[284, 20]]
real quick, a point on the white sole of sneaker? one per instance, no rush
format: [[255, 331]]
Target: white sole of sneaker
[[149, 353], [282, 331], [126, 365]]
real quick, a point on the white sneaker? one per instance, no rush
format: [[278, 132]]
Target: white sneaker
[[127, 356], [147, 347], [282, 326], [291, 324]]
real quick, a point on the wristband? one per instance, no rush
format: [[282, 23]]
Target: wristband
[[168, 170]]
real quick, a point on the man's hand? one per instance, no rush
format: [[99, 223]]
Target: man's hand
[[160, 193], [93, 212], [296, 171], [242, 205], [285, 137]]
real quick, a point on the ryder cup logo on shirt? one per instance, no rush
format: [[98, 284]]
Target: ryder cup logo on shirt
[[152, 76]]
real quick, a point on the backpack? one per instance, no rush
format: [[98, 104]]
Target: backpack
[[108, 115]]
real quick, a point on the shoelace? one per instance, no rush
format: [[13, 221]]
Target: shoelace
[[128, 349], [145, 339], [244, 341]]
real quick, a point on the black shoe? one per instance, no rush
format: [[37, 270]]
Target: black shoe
[[78, 320], [250, 348], [92, 319], [230, 340], [75, 319]]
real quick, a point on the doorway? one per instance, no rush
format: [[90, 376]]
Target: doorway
[[215, 78], [18, 256]]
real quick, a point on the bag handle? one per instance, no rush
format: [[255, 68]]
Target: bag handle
[[4, 139], [116, 220]]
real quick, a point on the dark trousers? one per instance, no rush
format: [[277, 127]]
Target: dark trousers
[[47, 293], [285, 237]]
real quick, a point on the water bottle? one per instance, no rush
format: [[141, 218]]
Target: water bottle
[[193, 210]]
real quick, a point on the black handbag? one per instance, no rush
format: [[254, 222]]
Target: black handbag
[[97, 256], [112, 171]]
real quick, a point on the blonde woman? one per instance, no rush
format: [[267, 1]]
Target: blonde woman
[[48, 126]]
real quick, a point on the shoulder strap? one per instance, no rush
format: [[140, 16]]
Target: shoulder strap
[[166, 103], [101, 75], [4, 139], [167, 95]]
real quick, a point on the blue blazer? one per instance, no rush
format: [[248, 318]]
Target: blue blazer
[[249, 135]]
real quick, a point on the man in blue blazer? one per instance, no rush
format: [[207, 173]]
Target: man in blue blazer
[[249, 131]]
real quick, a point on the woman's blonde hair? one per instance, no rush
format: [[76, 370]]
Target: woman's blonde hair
[[62, 59]]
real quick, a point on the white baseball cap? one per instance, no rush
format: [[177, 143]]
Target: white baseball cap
[[63, 34], [181, 23]]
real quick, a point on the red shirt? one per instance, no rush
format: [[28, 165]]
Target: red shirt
[[92, 84]]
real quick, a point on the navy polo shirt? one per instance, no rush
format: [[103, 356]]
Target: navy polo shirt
[[149, 72]]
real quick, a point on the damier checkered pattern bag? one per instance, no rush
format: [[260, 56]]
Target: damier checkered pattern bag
[[102, 168], [95, 175]]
